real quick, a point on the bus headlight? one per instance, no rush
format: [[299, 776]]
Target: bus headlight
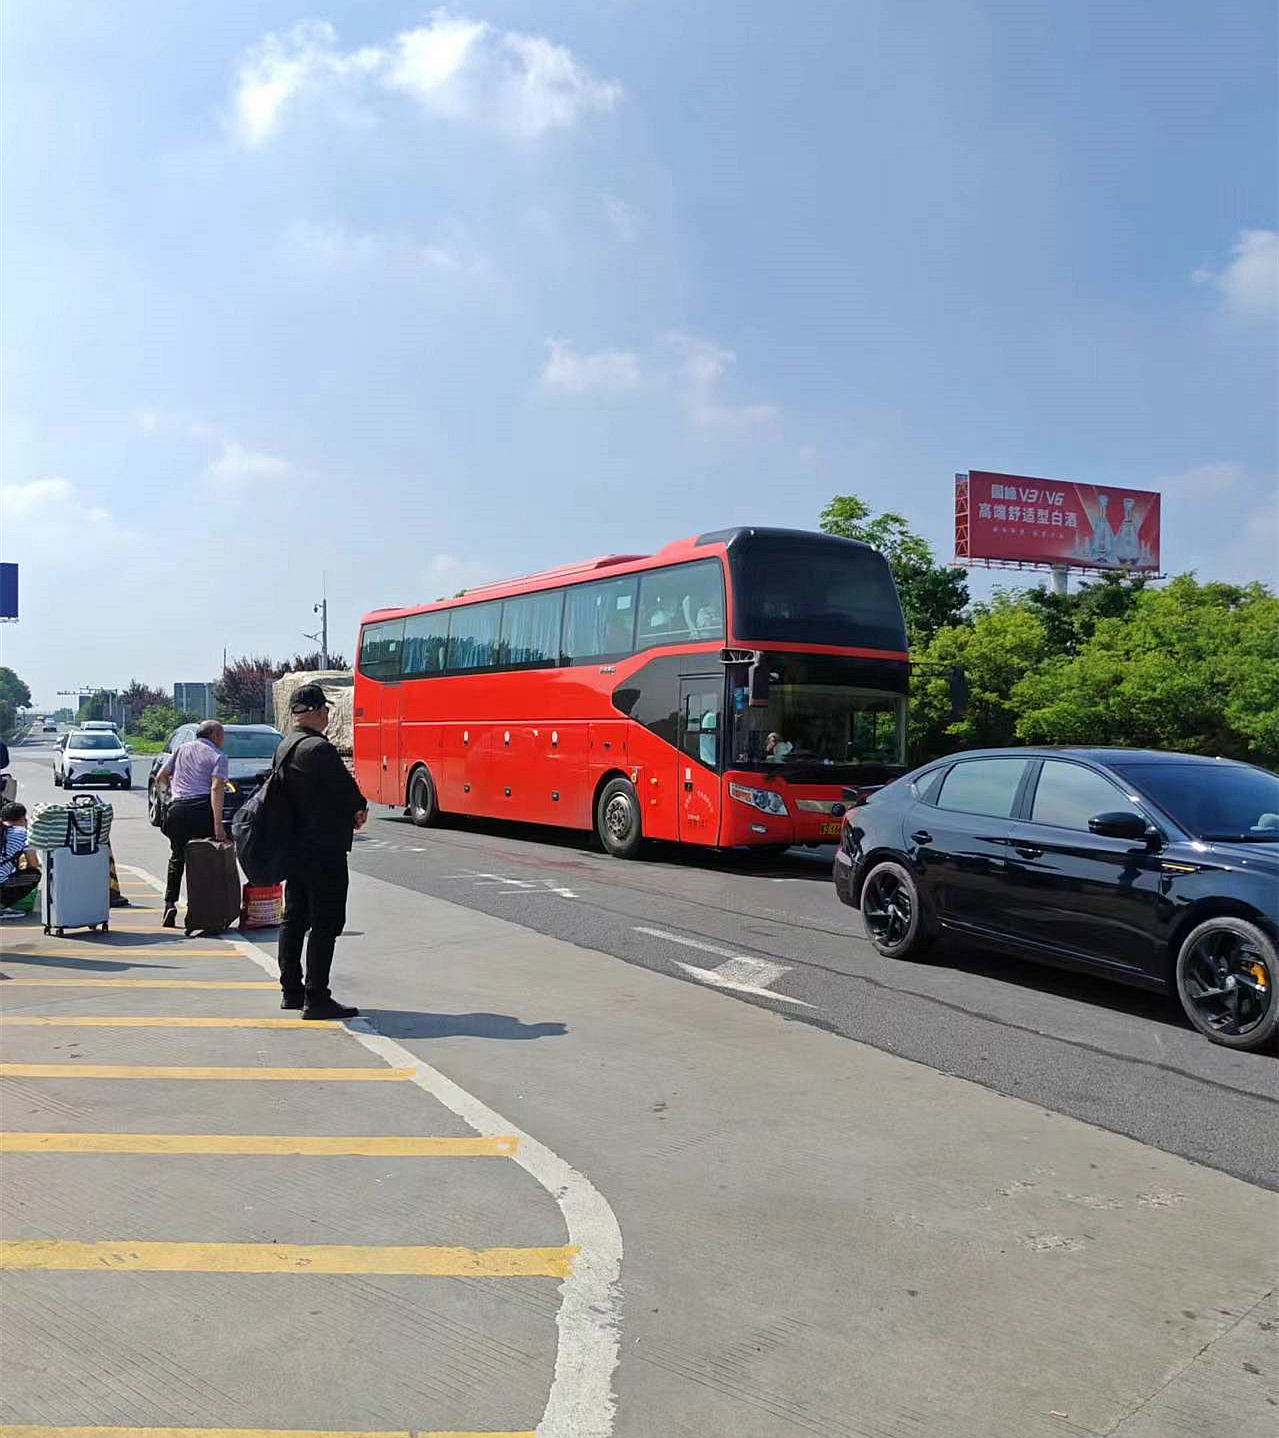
[[767, 801]]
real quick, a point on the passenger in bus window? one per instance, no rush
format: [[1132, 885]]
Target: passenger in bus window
[[775, 747], [707, 622]]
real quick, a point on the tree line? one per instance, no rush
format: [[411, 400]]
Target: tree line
[[1188, 665]]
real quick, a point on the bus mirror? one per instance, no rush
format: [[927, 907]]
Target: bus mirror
[[959, 692], [759, 683]]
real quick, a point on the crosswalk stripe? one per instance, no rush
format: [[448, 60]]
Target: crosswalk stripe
[[423, 1261]]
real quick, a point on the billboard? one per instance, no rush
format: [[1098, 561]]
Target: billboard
[[8, 591], [1015, 519]]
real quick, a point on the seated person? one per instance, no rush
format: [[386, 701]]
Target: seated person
[[19, 866], [775, 747], [707, 622]]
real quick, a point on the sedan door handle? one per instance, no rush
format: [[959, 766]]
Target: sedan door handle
[[921, 836], [1029, 851]]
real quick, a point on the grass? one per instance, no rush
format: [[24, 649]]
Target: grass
[[139, 745]]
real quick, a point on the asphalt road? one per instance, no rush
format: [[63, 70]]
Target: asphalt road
[[1119, 1058]]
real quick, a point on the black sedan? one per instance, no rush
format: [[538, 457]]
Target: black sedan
[[1160, 870], [249, 749]]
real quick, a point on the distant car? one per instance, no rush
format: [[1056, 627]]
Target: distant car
[[249, 749], [106, 726], [50, 726], [1157, 869], [92, 756]]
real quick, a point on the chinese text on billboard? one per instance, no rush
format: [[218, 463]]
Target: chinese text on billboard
[[1014, 518]]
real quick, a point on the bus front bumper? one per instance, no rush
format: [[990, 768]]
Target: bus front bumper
[[751, 816]]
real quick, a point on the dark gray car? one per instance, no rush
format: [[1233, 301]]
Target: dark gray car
[[249, 749]]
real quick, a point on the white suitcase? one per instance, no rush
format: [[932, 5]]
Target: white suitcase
[[75, 892]]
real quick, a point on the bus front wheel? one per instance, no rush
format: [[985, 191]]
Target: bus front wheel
[[424, 806], [617, 819]]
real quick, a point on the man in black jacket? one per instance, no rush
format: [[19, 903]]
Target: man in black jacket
[[327, 809]]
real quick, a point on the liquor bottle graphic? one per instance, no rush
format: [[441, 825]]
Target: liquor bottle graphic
[[1128, 541]]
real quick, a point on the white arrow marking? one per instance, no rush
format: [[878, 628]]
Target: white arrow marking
[[741, 973]]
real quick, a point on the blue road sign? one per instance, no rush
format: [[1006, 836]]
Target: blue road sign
[[8, 591]]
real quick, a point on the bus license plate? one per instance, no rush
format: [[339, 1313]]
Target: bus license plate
[[830, 829]]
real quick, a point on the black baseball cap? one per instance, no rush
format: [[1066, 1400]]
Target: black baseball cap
[[310, 696]]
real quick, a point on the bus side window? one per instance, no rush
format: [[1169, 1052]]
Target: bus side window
[[599, 619]]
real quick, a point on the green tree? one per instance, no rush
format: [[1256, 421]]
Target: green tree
[[158, 721], [1191, 666], [933, 595], [14, 695], [1070, 619], [1002, 642]]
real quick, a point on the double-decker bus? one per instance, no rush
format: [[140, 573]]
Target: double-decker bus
[[725, 691]]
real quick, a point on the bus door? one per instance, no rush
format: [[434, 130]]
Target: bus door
[[701, 735], [390, 784]]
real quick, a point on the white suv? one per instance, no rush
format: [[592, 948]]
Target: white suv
[[93, 756]]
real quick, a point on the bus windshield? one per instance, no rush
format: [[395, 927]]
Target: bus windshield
[[821, 724]]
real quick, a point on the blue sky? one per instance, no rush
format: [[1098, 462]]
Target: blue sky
[[398, 299]]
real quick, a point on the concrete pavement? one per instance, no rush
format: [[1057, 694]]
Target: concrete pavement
[[821, 1238]]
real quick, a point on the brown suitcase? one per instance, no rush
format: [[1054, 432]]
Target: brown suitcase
[[213, 886]]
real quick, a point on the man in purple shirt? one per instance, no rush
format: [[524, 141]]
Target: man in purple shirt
[[195, 776]]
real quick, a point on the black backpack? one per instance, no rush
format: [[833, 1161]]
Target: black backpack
[[263, 828]]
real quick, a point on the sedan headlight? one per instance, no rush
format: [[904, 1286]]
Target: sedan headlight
[[767, 801]]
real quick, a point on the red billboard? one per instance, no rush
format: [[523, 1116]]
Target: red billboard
[[1016, 519]]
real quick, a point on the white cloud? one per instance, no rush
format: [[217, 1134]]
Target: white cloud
[[623, 217], [1249, 284], [571, 371], [38, 515], [236, 465], [460, 70], [1202, 481], [699, 375], [332, 247]]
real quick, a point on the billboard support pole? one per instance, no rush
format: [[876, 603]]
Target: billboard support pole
[[1060, 580]]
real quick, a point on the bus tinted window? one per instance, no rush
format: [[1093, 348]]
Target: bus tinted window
[[681, 604], [816, 589], [599, 619], [531, 628], [380, 647], [473, 634], [426, 638]]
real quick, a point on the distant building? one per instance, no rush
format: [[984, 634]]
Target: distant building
[[195, 699]]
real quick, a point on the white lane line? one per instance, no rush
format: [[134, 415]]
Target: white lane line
[[581, 1403], [741, 973]]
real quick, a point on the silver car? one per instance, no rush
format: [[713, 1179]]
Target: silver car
[[93, 756]]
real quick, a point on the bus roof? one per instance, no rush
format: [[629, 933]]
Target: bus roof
[[692, 548]]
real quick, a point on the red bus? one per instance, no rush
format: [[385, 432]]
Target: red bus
[[724, 691]]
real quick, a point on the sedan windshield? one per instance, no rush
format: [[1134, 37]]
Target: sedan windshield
[[1226, 801], [826, 724], [99, 740], [251, 743]]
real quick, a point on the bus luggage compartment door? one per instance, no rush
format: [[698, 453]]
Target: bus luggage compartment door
[[464, 781]]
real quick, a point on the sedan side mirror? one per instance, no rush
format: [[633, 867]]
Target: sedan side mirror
[[1121, 824]]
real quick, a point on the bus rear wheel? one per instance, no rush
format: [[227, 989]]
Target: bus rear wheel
[[617, 819], [424, 806]]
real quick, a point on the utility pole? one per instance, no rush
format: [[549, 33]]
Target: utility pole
[[322, 609]]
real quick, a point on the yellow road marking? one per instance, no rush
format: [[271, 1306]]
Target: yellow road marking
[[423, 1261], [389, 1146], [162, 1021], [25, 983], [42, 1430], [52, 949], [172, 1071]]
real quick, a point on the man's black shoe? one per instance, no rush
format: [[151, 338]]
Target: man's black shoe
[[328, 1009], [293, 1001], [170, 920]]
